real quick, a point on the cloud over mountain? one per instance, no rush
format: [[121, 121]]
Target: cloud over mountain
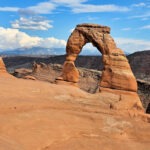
[[13, 39], [132, 45]]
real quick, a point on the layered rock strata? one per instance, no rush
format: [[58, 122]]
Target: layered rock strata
[[116, 74]]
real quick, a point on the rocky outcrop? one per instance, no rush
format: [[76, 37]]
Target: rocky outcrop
[[44, 72], [88, 78], [116, 75], [3, 72], [2, 66], [21, 72]]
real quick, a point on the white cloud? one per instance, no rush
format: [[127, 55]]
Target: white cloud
[[132, 45], [144, 15], [68, 2], [76, 6], [13, 39], [139, 5], [52, 43], [85, 8], [32, 23], [11, 9], [79, 6], [41, 8], [145, 27]]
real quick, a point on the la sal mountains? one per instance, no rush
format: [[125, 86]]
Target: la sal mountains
[[34, 51]]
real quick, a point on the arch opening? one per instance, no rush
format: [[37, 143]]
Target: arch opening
[[89, 63], [89, 50]]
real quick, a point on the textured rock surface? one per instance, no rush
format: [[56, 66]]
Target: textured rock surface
[[117, 73], [2, 66], [89, 79], [43, 116], [19, 73], [70, 72]]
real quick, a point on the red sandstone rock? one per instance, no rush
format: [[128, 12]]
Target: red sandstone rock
[[116, 75], [3, 72], [29, 77], [124, 99], [2, 66], [70, 72], [43, 116]]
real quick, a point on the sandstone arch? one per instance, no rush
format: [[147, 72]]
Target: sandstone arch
[[116, 74]]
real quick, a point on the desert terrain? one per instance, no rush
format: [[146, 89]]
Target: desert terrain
[[48, 68], [52, 107], [36, 115], [41, 115]]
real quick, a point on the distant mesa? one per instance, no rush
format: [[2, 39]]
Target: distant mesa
[[117, 76]]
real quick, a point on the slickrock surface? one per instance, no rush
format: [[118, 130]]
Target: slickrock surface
[[38, 115], [19, 73]]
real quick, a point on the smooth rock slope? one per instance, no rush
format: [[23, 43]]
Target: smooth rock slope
[[38, 115]]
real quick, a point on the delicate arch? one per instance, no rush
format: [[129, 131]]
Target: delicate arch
[[116, 74]]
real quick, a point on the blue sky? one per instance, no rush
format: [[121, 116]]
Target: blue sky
[[48, 23]]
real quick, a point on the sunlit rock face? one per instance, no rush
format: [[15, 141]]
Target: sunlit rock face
[[2, 66], [117, 75]]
